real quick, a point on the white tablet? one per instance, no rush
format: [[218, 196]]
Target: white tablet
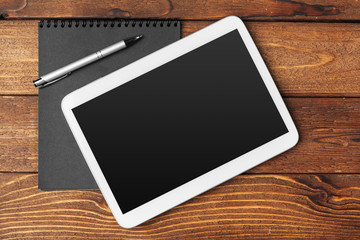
[[179, 121]]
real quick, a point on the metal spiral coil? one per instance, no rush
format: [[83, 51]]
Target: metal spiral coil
[[106, 23]]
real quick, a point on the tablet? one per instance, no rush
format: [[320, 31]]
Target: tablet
[[179, 121]]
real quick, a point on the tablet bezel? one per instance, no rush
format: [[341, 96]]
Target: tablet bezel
[[208, 180]]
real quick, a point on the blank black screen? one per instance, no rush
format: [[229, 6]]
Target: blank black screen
[[179, 121]]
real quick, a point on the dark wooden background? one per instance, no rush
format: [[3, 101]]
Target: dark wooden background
[[312, 48]]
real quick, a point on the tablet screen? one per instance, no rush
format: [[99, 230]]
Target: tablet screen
[[179, 121]]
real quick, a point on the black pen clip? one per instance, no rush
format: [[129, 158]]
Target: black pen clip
[[55, 80]]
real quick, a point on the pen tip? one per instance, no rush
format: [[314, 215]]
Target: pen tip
[[132, 40]]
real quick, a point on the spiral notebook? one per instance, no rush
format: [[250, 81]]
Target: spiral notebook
[[61, 164]]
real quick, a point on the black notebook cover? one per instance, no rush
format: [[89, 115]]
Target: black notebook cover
[[61, 164]]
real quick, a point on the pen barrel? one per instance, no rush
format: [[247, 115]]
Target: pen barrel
[[84, 61], [112, 48], [70, 67]]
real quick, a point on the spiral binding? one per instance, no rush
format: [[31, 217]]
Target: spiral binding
[[107, 23]]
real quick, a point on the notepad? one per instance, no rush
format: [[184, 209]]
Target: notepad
[[61, 164]]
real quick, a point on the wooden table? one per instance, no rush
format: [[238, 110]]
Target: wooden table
[[312, 191]]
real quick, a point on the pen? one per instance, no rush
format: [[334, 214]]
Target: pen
[[65, 71]]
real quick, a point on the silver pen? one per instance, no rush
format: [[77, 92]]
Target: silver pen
[[65, 71]]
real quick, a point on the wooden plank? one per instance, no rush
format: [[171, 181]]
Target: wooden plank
[[18, 57], [248, 206], [329, 136], [18, 134], [305, 59], [202, 9]]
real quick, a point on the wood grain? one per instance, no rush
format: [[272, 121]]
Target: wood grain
[[329, 136], [305, 59], [247, 206], [18, 57], [201, 9], [18, 134]]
